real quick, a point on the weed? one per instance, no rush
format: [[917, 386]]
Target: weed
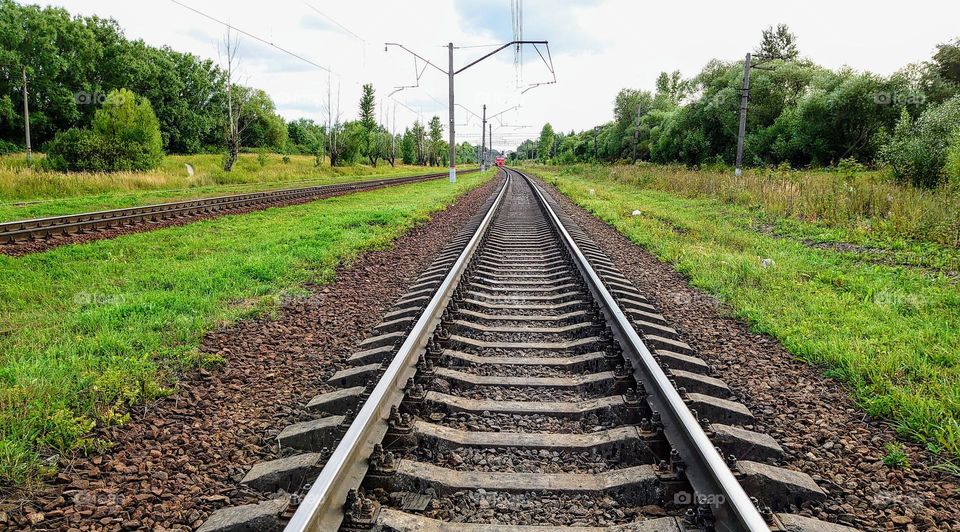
[[896, 456]]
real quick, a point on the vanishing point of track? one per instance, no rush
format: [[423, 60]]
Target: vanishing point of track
[[523, 383]]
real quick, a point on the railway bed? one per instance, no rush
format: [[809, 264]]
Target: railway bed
[[524, 384]]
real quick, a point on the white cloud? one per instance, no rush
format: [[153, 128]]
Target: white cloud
[[599, 46]]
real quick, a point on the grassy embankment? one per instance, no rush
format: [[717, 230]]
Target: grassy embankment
[[863, 279], [86, 330], [26, 192]]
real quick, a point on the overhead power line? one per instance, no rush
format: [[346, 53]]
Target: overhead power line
[[363, 42], [252, 36], [341, 26], [286, 51]]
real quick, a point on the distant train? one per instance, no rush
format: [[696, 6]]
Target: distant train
[[501, 160]]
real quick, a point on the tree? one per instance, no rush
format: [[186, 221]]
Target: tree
[[187, 93], [261, 126], [466, 153], [947, 61], [236, 102], [419, 135], [408, 147], [778, 43], [437, 145], [371, 136], [951, 169], [129, 118], [337, 149], [800, 113], [628, 107], [671, 87], [306, 136], [334, 128], [545, 145], [60, 57], [391, 143], [353, 139]]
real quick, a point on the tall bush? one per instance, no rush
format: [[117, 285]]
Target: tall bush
[[952, 168], [918, 151], [125, 136]]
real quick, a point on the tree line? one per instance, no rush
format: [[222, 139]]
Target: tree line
[[800, 114], [167, 102], [73, 63], [367, 140]]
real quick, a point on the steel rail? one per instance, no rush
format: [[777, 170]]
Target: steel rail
[[23, 230], [322, 507], [708, 473]]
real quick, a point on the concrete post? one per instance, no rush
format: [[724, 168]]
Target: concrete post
[[744, 98], [453, 137]]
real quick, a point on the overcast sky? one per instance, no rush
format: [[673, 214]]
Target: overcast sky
[[597, 46]]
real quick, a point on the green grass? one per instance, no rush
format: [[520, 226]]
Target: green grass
[[891, 332], [869, 207], [87, 330], [27, 192]]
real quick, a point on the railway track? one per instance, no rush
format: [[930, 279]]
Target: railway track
[[40, 228], [524, 384]]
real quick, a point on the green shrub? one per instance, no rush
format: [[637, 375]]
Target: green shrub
[[952, 167], [84, 150], [917, 152], [848, 168], [75, 149], [125, 137], [9, 147]]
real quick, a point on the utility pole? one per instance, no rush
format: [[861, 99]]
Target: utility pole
[[744, 98], [26, 114], [393, 136], [483, 141], [636, 130], [453, 137], [491, 138]]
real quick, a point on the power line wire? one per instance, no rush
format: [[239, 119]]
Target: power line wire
[[363, 42], [341, 26], [252, 36], [284, 50]]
